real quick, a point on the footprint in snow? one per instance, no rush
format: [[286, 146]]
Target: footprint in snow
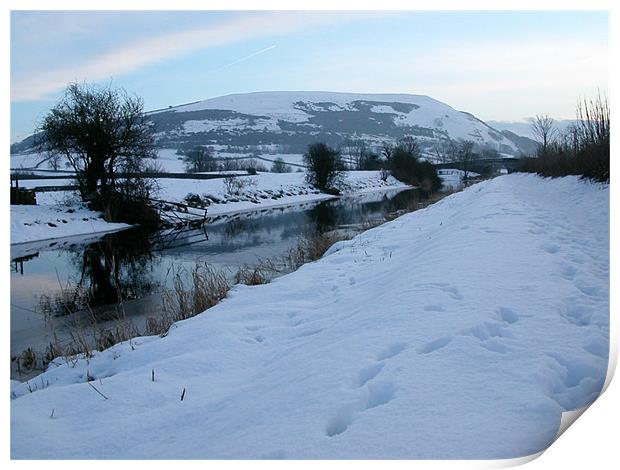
[[494, 346], [568, 271], [551, 248], [378, 394], [508, 315], [578, 315], [434, 308], [435, 345], [391, 351], [254, 327], [312, 332], [368, 373], [586, 289]]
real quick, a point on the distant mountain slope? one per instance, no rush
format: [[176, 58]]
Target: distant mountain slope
[[291, 120], [288, 121]]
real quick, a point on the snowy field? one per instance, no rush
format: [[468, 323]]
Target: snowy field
[[462, 330], [33, 223]]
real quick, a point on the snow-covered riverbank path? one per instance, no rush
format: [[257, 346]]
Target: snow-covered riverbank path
[[462, 330]]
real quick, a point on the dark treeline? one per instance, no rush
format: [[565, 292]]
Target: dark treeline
[[402, 160]]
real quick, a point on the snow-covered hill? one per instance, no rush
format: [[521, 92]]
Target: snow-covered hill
[[292, 119]]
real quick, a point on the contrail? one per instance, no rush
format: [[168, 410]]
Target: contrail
[[245, 58]]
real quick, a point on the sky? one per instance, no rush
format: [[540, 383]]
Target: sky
[[501, 66]]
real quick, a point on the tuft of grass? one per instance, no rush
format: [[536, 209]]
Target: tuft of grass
[[252, 275], [207, 287]]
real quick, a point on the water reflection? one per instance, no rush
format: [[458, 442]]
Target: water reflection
[[119, 267]]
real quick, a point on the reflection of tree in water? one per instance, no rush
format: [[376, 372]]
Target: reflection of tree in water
[[323, 217], [114, 269], [405, 199]]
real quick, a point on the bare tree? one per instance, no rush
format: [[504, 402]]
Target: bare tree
[[445, 150], [100, 131], [466, 157], [386, 150], [409, 144], [543, 128], [54, 161], [355, 150]]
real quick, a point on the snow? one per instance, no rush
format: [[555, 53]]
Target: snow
[[452, 178], [29, 160], [283, 105], [264, 190], [269, 190], [35, 223], [462, 330]]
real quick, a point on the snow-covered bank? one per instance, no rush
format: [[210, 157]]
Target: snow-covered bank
[[462, 330], [34, 223], [269, 190]]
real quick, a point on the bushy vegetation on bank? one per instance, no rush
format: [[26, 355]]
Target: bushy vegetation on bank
[[583, 149]]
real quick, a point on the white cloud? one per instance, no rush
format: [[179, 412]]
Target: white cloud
[[145, 52]]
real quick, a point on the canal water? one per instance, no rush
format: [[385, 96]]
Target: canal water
[[137, 266]]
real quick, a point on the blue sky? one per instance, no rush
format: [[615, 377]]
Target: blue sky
[[496, 65]]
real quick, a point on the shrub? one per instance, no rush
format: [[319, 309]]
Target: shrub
[[234, 185], [582, 150], [324, 166], [370, 161], [405, 166], [120, 207], [279, 166]]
